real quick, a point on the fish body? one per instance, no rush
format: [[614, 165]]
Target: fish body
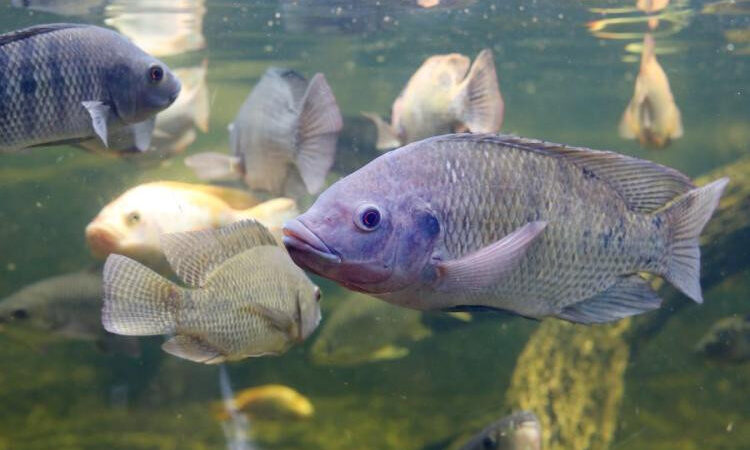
[[133, 223], [727, 340], [283, 138], [62, 7], [272, 402], [486, 221], [652, 115], [519, 431], [444, 96], [242, 297], [64, 83], [364, 330], [67, 305], [144, 21]]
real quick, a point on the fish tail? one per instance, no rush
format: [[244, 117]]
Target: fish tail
[[137, 300], [319, 125], [687, 215], [215, 166], [387, 136], [481, 105], [272, 213]]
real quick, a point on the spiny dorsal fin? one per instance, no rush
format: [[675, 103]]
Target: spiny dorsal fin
[[25, 33], [196, 254], [644, 186]]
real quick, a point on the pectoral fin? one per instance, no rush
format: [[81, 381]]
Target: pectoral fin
[[192, 349], [487, 266], [389, 352], [142, 132], [281, 320], [99, 113]]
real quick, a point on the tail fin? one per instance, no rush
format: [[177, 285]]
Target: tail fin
[[137, 301], [687, 215], [272, 213], [387, 136], [215, 166], [319, 125], [480, 103]]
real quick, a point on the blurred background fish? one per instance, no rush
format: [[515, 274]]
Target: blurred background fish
[[363, 329], [160, 27], [727, 340], [518, 431], [65, 83], [652, 116], [243, 296], [133, 223], [441, 97], [283, 139], [63, 7], [270, 402]]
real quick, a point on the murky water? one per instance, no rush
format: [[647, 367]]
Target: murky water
[[564, 77]]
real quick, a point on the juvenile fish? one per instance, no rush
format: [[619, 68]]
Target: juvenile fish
[[363, 330], [519, 431], [283, 139], [727, 340], [485, 221], [441, 97], [242, 297], [64, 83], [652, 116], [271, 402], [133, 223]]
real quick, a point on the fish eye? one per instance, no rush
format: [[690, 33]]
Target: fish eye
[[367, 217], [155, 73], [488, 442], [133, 218], [317, 294], [20, 314]]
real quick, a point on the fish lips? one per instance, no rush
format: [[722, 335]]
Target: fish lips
[[302, 243]]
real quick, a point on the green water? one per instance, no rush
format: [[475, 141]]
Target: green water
[[559, 82]]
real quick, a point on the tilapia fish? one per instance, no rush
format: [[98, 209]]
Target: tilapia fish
[[65, 83], [518, 431], [441, 97], [486, 221], [271, 402], [242, 297], [133, 223], [283, 138], [652, 116]]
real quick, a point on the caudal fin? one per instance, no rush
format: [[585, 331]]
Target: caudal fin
[[215, 166], [687, 215], [319, 124], [480, 105], [137, 301], [387, 136]]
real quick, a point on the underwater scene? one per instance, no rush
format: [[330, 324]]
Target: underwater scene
[[391, 224]]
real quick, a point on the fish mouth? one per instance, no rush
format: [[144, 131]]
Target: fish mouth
[[299, 237], [101, 241]]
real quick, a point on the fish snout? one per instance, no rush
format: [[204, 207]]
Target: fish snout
[[101, 241], [299, 238]]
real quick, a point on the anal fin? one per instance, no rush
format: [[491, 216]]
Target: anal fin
[[629, 296], [192, 349]]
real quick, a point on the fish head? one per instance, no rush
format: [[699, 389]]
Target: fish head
[[129, 225], [26, 312], [722, 340], [308, 304], [140, 86], [368, 237], [517, 431]]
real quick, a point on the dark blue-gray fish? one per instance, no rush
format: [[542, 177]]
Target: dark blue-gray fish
[[485, 221], [518, 431], [283, 138], [64, 83]]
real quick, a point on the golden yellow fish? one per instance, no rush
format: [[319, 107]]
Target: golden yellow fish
[[652, 116], [270, 402]]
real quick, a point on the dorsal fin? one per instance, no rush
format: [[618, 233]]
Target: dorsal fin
[[644, 186], [196, 254], [25, 33], [235, 198]]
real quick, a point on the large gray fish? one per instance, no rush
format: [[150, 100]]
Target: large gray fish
[[286, 129], [244, 296], [486, 221], [519, 431], [64, 83]]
